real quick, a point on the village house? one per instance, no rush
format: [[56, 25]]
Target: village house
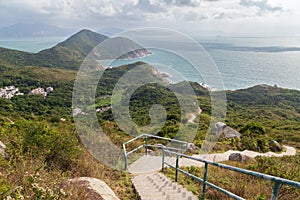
[[41, 91], [9, 91]]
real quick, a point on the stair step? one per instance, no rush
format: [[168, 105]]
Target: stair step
[[156, 186]]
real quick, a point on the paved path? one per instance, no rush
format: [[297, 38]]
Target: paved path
[[151, 185], [148, 163], [156, 186]]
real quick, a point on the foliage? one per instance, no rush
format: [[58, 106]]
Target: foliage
[[70, 53], [254, 138], [39, 141], [247, 186], [59, 149]]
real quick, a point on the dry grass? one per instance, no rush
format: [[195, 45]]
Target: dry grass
[[246, 186]]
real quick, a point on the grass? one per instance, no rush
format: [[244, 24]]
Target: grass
[[246, 186], [29, 178]]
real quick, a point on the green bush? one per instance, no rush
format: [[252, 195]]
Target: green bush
[[254, 138], [58, 149], [4, 188]]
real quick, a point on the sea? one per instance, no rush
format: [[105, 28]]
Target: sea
[[240, 62]]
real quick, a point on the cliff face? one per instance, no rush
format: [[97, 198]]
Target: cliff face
[[137, 54]]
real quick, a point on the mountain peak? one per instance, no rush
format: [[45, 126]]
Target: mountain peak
[[85, 39], [70, 53]]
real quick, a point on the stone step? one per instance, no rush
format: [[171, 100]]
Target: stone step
[[156, 186]]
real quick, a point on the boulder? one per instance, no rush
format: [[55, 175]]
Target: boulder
[[275, 146], [191, 148], [238, 157], [2, 149], [97, 189], [235, 157], [231, 133], [222, 128]]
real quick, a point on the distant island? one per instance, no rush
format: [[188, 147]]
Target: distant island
[[20, 30]]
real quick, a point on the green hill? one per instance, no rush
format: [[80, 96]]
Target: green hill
[[262, 95], [70, 53], [38, 123]]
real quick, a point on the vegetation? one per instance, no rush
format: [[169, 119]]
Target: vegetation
[[43, 147], [246, 186], [70, 53]]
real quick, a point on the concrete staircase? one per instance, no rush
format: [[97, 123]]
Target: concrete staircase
[[156, 186], [148, 164], [151, 185]]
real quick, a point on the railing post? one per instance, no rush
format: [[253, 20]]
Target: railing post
[[275, 191], [146, 145], [176, 173], [204, 180], [163, 159], [125, 161]]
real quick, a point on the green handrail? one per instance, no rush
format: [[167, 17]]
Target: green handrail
[[146, 145], [277, 180]]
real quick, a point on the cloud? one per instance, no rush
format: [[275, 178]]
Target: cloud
[[219, 15], [187, 15], [188, 3], [262, 5], [146, 5]]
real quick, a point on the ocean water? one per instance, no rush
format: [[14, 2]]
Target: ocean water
[[241, 62], [31, 44]]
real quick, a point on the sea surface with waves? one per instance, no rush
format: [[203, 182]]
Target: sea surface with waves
[[241, 62]]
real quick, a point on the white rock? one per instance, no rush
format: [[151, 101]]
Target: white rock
[[97, 186]]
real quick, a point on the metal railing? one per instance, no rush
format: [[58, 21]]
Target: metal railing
[[277, 181], [183, 145]]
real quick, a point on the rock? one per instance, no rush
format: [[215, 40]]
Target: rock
[[191, 148], [235, 157], [228, 132], [238, 157], [2, 148], [97, 188], [231, 133], [275, 146], [220, 126]]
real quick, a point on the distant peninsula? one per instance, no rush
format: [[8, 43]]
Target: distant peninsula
[[70, 53]]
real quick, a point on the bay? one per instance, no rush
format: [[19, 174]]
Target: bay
[[241, 62]]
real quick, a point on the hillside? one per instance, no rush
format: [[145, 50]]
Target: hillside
[[31, 125], [266, 95], [70, 53]]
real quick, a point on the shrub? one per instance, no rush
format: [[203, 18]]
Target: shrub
[[58, 149]]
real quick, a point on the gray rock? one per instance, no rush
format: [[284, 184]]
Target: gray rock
[[228, 132], [275, 146], [238, 157], [2, 150], [191, 148], [235, 157], [97, 186]]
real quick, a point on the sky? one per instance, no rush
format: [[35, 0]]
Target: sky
[[194, 17]]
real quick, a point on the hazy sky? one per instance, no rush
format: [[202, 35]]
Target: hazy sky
[[227, 17]]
